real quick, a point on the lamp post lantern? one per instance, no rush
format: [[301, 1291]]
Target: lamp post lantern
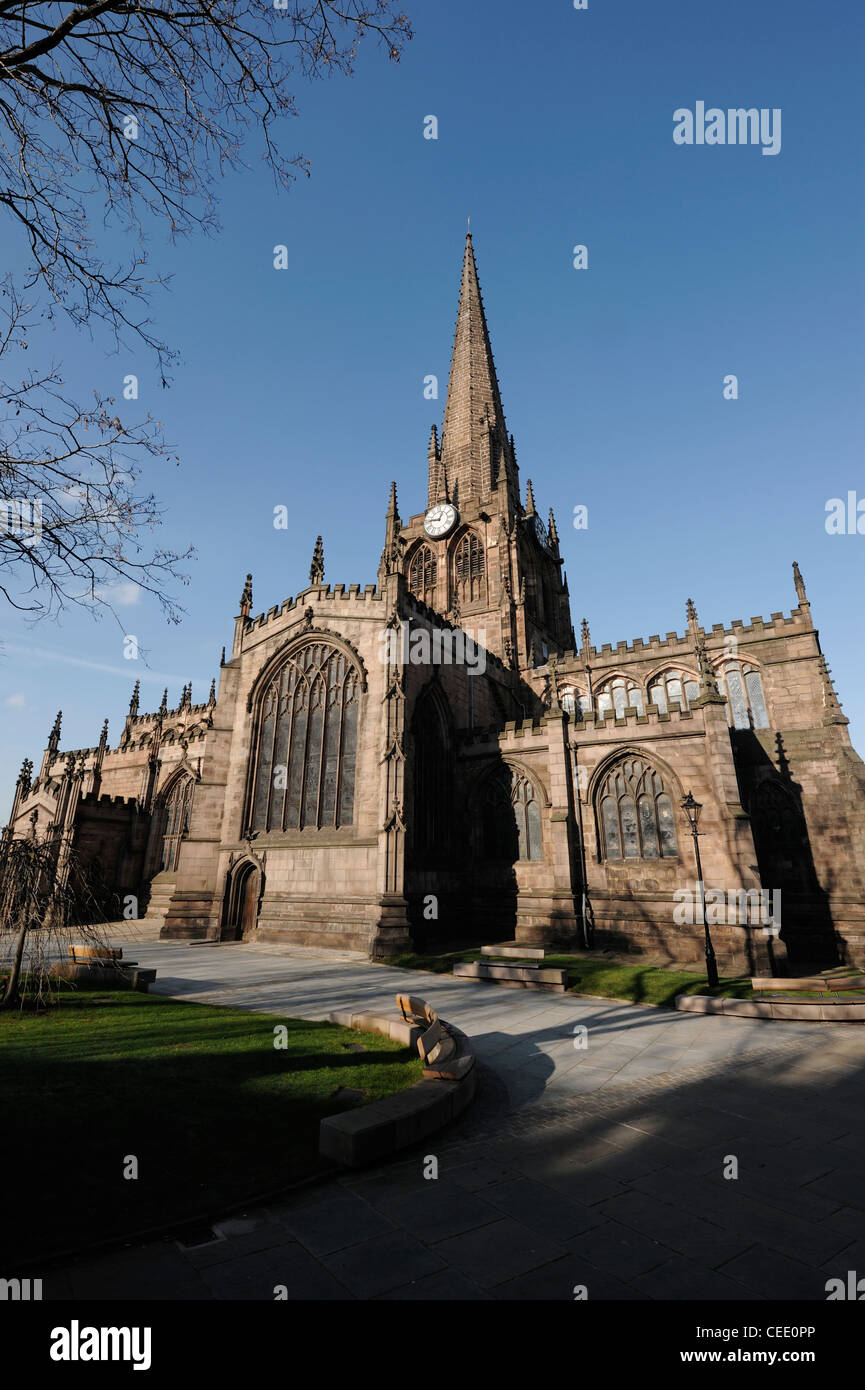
[[692, 810]]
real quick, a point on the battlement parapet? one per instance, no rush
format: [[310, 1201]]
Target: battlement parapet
[[675, 645]]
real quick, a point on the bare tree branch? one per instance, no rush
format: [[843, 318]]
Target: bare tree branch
[[137, 107], [71, 515]]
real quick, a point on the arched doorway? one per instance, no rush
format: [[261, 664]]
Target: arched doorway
[[242, 898]]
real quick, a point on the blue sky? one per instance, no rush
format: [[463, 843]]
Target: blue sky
[[305, 387]]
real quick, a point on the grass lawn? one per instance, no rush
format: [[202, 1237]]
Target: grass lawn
[[600, 975], [618, 979], [212, 1110]]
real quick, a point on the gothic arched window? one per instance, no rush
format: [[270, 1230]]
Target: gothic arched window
[[178, 805], [673, 688], [510, 817], [432, 814], [307, 742], [620, 695], [422, 575], [636, 813], [527, 811], [577, 706], [469, 570], [746, 703]]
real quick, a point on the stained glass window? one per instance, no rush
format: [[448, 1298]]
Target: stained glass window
[[636, 814], [307, 742], [620, 695], [178, 805], [511, 816], [673, 687], [736, 694], [754, 686]]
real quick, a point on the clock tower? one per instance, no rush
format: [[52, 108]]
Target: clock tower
[[478, 555]]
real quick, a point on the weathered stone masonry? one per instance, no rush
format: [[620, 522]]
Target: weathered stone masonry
[[330, 793]]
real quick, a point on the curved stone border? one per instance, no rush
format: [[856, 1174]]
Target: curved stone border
[[381, 1128], [805, 1010]]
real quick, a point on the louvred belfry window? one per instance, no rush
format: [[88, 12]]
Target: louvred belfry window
[[636, 813], [469, 570], [422, 573], [307, 743]]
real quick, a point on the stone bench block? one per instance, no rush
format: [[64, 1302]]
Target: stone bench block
[[820, 982], [521, 952], [803, 1010], [550, 977]]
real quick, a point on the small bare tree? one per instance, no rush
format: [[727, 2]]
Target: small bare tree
[[41, 913]]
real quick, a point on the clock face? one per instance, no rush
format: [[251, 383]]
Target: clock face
[[440, 519], [540, 529]]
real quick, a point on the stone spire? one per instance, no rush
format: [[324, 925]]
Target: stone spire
[[530, 498], [800, 586], [553, 534], [246, 598], [586, 638], [316, 569], [211, 699], [163, 708], [103, 737], [475, 449], [133, 703]]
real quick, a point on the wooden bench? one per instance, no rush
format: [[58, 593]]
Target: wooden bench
[[415, 1010], [102, 955], [444, 1049]]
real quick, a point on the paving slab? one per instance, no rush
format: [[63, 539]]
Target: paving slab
[[600, 1166]]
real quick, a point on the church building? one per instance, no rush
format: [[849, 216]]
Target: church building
[[436, 758]]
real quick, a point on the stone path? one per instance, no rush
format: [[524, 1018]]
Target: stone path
[[600, 1167]]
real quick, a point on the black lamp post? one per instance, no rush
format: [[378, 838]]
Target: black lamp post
[[692, 810]]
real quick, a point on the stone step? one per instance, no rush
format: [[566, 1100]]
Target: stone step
[[510, 948], [526, 975]]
